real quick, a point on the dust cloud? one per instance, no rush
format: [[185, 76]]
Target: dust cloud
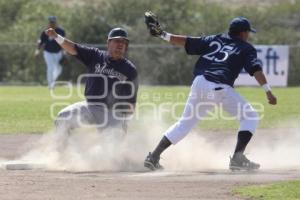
[[87, 150]]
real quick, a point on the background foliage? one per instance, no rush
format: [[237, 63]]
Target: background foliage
[[158, 63]]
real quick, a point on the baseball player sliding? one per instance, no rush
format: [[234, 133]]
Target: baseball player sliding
[[111, 85], [221, 59]]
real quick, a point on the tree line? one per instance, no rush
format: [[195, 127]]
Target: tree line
[[89, 21]]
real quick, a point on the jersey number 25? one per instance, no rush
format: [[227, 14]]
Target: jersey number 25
[[223, 50]]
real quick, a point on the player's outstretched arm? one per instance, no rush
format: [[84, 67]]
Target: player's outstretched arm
[[66, 44], [177, 39], [155, 30], [261, 79]]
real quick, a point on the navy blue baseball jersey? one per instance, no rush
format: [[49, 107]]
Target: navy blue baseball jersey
[[50, 44], [109, 81], [222, 57]]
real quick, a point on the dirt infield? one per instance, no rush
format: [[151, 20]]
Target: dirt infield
[[176, 182], [129, 185]]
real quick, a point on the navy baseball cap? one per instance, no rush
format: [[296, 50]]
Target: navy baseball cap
[[52, 19], [118, 33], [240, 24]]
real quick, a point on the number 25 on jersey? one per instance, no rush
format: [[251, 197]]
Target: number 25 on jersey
[[221, 51]]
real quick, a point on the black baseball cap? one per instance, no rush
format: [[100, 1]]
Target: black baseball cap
[[118, 33], [240, 24], [52, 18]]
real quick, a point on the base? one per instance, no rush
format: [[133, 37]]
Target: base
[[23, 166]]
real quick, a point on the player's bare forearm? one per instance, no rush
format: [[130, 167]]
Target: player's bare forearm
[[69, 47], [178, 40], [260, 77]]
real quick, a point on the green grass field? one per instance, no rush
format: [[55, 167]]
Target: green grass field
[[26, 109], [278, 191]]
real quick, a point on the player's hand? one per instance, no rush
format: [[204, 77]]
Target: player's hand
[[153, 24], [51, 33], [36, 53], [271, 98]]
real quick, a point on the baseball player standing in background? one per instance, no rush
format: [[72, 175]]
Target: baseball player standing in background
[[111, 85], [222, 57], [52, 52]]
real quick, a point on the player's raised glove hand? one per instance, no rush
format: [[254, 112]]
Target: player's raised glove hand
[[153, 24], [272, 99], [51, 33]]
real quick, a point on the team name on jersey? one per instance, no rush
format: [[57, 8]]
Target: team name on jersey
[[111, 73]]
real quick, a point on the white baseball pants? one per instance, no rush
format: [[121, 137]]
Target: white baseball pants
[[203, 97], [83, 114], [54, 68]]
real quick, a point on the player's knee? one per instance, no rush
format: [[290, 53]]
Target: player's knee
[[62, 119], [182, 129]]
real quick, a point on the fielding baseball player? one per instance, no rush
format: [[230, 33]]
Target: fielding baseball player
[[111, 85], [222, 57], [52, 52]]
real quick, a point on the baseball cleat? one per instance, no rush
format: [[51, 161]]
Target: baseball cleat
[[152, 163], [240, 162]]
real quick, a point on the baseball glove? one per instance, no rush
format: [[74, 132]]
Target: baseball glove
[[153, 24]]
